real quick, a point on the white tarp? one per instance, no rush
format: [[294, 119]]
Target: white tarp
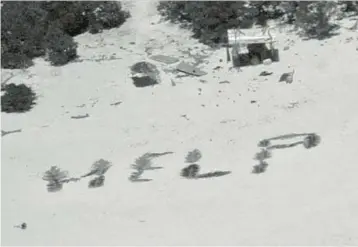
[[249, 36]]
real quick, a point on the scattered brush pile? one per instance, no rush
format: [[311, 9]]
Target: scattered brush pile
[[33, 29], [209, 20]]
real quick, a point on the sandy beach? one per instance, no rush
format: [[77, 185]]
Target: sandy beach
[[306, 196]]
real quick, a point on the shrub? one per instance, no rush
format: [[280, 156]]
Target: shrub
[[79, 16], [209, 20], [350, 6], [17, 98], [71, 16], [286, 11], [25, 26], [60, 46], [10, 60], [106, 15], [314, 18]]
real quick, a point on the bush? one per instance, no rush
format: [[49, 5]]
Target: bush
[[11, 60], [106, 15], [70, 15], [94, 16], [60, 46], [23, 27], [210, 20], [26, 25], [17, 98], [314, 18], [350, 6]]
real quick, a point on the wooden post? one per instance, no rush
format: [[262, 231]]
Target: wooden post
[[228, 58], [236, 52]]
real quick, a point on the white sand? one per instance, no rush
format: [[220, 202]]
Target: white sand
[[306, 197]]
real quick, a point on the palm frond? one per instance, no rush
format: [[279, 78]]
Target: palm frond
[[190, 171], [311, 141], [143, 162], [96, 182], [263, 154], [101, 166], [55, 175], [136, 175], [193, 156], [264, 143], [260, 168], [54, 186]]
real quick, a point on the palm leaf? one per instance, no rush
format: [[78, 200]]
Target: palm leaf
[[311, 141], [143, 162], [263, 154], [96, 182], [193, 156], [55, 175], [99, 168]]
